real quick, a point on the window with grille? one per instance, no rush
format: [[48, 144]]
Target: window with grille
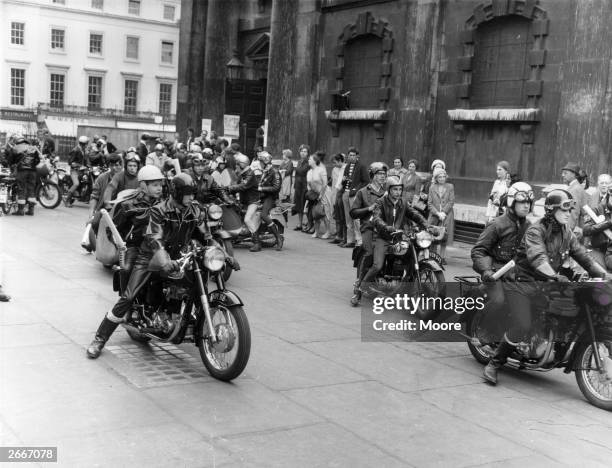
[[95, 44], [362, 68], [131, 51], [501, 63], [94, 93], [57, 39], [169, 12], [17, 33], [134, 7], [56, 98], [166, 53], [17, 86], [97, 4], [165, 98], [131, 96]]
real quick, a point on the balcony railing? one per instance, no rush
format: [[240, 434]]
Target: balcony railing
[[112, 113]]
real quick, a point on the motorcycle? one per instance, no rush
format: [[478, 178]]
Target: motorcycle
[[179, 308], [48, 192], [572, 330], [87, 177], [409, 264], [218, 224], [8, 191]]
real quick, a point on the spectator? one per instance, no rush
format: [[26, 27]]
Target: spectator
[[441, 201], [300, 187], [354, 177], [569, 174], [411, 181], [109, 148], [189, 140], [143, 150], [603, 183], [500, 188], [286, 172], [158, 157], [340, 234], [316, 180], [398, 168]]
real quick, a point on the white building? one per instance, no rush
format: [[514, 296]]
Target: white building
[[111, 63]]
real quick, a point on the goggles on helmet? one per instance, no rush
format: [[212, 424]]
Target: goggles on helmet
[[524, 196], [567, 205]]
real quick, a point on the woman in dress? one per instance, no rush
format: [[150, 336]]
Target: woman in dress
[[299, 186], [411, 181], [286, 172], [398, 168], [317, 182], [441, 201], [500, 187]]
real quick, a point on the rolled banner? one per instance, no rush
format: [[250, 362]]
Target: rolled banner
[[597, 219], [503, 270], [116, 236], [85, 238]]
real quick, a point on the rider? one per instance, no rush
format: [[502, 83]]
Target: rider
[[76, 159], [124, 180], [247, 186], [602, 245], [545, 247], [131, 218], [498, 243], [269, 188], [25, 157], [362, 209], [390, 214], [207, 189]]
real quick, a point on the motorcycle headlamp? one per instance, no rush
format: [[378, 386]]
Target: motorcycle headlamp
[[424, 239], [214, 258], [215, 212], [401, 248]]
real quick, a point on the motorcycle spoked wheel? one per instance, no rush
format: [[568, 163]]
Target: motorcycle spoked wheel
[[474, 328], [226, 359], [431, 285], [49, 196], [593, 385]]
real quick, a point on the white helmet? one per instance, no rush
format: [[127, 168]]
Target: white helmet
[[149, 173], [241, 158], [519, 192], [83, 139]]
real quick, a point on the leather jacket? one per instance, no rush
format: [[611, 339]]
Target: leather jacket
[[76, 157], [208, 190], [27, 160], [131, 217], [544, 249], [388, 217], [247, 186], [270, 183], [595, 231], [365, 198], [498, 243], [172, 227]]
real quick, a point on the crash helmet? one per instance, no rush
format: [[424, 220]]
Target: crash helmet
[[159, 147], [393, 181], [519, 192], [558, 199], [182, 185], [265, 157], [149, 173], [377, 167], [241, 159], [83, 139]]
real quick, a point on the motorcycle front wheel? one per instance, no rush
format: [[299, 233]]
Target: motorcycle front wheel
[[225, 359], [49, 196], [594, 385]]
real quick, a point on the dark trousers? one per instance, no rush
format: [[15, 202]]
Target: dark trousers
[[519, 297], [26, 183], [138, 279], [379, 251], [368, 252], [266, 205]]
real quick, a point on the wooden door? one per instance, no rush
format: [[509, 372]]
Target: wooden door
[[247, 98]]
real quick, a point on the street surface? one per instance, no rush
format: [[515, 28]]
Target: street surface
[[313, 394]]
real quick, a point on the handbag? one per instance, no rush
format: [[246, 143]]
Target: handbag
[[318, 211], [312, 195]]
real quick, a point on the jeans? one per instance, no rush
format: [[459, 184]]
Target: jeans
[[352, 225], [379, 251], [252, 219]]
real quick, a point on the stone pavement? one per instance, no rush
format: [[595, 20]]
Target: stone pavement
[[313, 394]]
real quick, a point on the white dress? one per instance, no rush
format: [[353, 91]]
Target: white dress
[[500, 187], [316, 179]]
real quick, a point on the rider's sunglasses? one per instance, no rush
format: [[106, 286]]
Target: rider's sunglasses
[[524, 196]]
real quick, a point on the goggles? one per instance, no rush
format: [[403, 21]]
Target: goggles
[[566, 205], [132, 157], [524, 196]]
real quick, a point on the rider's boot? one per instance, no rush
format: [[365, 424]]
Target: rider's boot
[[105, 330], [356, 293], [20, 210], [497, 361], [277, 235], [256, 243], [30, 211]]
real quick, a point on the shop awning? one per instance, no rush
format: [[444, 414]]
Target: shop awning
[[18, 126], [67, 128], [146, 126]]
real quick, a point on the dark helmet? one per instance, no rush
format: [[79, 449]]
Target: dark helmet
[[559, 199], [377, 167], [182, 185]]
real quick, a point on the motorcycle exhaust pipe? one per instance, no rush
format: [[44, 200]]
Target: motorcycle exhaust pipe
[[134, 329]]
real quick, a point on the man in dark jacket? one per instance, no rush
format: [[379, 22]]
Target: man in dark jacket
[[48, 147], [362, 209], [390, 214], [207, 189], [142, 149], [354, 178], [596, 231], [25, 157], [269, 187], [247, 187]]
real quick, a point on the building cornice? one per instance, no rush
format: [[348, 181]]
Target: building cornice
[[56, 65], [101, 14], [167, 78]]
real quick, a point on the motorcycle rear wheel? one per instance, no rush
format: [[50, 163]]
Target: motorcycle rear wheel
[[232, 327], [590, 381], [473, 328], [49, 196]]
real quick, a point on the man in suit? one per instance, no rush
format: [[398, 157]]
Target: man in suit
[[603, 182], [569, 175]]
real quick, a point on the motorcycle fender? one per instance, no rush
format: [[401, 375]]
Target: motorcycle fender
[[435, 266], [226, 297], [223, 234]]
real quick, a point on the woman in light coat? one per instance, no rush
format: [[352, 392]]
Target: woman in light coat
[[441, 200], [317, 181], [500, 188]]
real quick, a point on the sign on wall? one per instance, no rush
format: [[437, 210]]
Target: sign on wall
[[231, 125], [206, 125]]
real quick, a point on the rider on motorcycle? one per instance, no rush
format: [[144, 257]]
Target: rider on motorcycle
[[25, 157], [390, 214], [498, 243], [362, 209], [544, 249], [76, 159], [247, 186], [124, 180], [131, 218], [269, 188], [207, 189], [602, 245]]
